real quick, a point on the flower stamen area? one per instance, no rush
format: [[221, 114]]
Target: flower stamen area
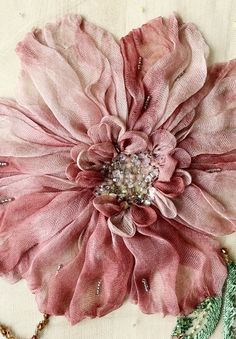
[[129, 178]]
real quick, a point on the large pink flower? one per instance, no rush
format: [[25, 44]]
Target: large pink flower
[[119, 168]]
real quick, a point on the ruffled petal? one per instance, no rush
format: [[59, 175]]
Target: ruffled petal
[[221, 187], [171, 189], [27, 147], [109, 262], [171, 52], [22, 137], [85, 163], [183, 158], [64, 57], [88, 179], [122, 224], [101, 153], [175, 273], [40, 210], [201, 211], [213, 130], [83, 276], [133, 142], [143, 216], [162, 142], [164, 204], [111, 128], [107, 205]]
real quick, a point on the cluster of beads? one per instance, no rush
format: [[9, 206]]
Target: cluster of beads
[[6, 200], [129, 177]]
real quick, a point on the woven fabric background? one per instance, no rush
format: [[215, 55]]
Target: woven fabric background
[[217, 21]]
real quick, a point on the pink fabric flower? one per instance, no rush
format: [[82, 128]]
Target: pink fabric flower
[[119, 168]]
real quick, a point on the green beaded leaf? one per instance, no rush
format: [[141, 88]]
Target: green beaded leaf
[[202, 322], [229, 307]]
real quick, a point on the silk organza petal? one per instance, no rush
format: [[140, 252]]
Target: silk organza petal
[[109, 261], [213, 129], [35, 215], [200, 210], [21, 136], [79, 58], [181, 267], [172, 52], [98, 256], [220, 186]]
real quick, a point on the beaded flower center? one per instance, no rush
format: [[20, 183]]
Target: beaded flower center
[[129, 178]]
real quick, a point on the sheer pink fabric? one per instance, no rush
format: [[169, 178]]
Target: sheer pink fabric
[[81, 95]]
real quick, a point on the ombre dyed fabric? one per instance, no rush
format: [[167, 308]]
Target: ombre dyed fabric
[[117, 169]]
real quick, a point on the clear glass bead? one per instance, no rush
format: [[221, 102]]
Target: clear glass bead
[[129, 178]]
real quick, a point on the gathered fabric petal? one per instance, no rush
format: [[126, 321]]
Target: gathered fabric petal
[[56, 50], [221, 187], [164, 204], [37, 223], [178, 272], [109, 261], [143, 216], [213, 129], [107, 205], [171, 189], [201, 211], [171, 52], [122, 224], [111, 128], [133, 142]]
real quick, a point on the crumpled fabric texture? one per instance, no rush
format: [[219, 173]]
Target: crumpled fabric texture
[[82, 98]]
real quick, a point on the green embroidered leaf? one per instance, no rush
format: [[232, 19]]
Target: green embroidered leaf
[[229, 307], [202, 322]]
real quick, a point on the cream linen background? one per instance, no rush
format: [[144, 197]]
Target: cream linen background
[[217, 21]]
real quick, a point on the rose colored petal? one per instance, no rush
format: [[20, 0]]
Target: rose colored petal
[[57, 58], [143, 216], [122, 224], [100, 153], [162, 142], [165, 205], [75, 271], [168, 48], [221, 187], [85, 163], [48, 164], [171, 189], [215, 162], [113, 270], [22, 137], [133, 142], [89, 179], [75, 151], [186, 176], [45, 274], [183, 158], [167, 169], [111, 128], [201, 211], [20, 184], [107, 205], [213, 130], [36, 214], [72, 171], [178, 272]]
